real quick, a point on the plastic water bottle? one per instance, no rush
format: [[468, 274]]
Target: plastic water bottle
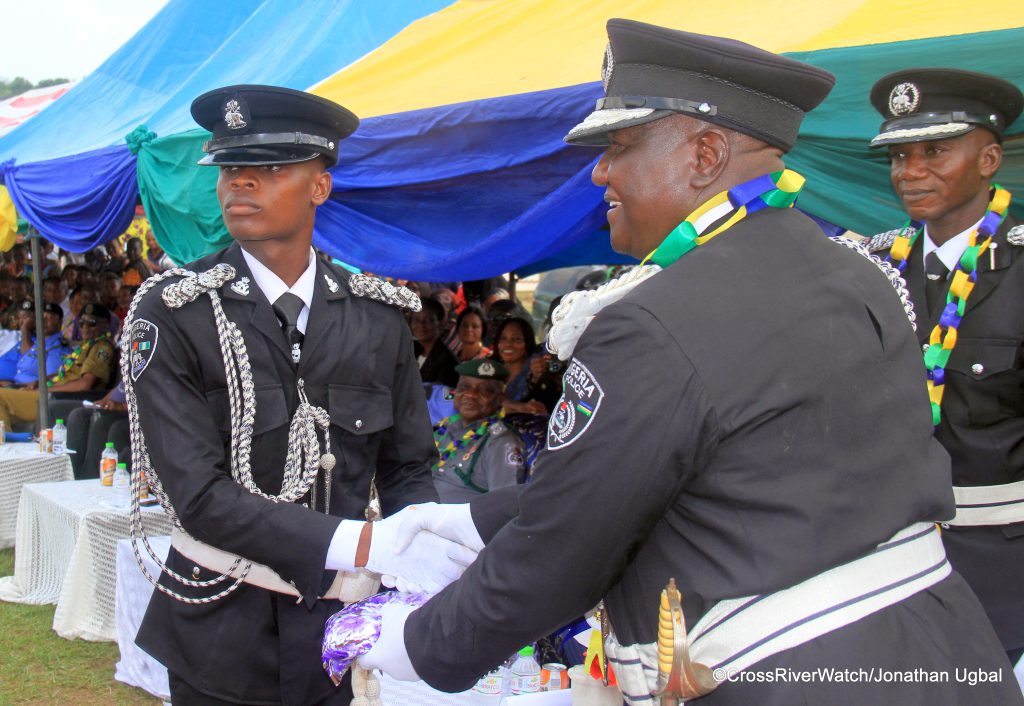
[[108, 464], [60, 437], [525, 673], [122, 483]]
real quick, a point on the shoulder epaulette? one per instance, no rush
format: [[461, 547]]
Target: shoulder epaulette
[[1015, 236], [192, 285], [375, 288], [882, 241]]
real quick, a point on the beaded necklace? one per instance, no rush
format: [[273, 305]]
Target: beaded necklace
[[965, 274], [776, 190], [77, 354], [473, 437]]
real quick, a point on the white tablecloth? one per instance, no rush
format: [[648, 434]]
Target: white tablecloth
[[137, 668], [21, 464], [66, 542]]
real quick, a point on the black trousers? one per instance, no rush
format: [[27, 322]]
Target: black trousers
[[183, 694], [88, 431]]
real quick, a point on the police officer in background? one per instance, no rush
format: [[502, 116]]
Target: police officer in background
[[943, 130], [748, 419], [321, 379], [478, 452]]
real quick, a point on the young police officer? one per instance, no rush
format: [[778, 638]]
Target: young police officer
[[749, 420], [239, 375], [963, 261]]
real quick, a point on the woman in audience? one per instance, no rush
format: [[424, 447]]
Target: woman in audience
[[437, 363], [530, 388], [470, 327]]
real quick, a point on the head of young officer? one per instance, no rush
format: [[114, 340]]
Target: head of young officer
[[273, 147], [481, 388], [686, 116], [943, 129]]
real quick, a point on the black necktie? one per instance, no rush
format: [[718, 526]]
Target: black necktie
[[287, 308], [935, 280]]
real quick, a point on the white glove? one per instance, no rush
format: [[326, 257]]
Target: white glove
[[388, 653], [428, 562], [453, 522]]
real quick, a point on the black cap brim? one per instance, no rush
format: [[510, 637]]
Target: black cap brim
[[258, 156]]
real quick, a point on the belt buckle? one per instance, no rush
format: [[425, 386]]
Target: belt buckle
[[679, 677]]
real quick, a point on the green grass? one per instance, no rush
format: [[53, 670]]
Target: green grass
[[38, 667]]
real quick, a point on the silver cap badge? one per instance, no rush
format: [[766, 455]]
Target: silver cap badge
[[904, 99], [233, 115]]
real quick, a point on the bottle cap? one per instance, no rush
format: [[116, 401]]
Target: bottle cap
[[122, 466], [60, 421], [110, 444], [526, 651]]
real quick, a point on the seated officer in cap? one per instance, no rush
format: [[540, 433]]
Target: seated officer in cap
[[744, 415], [20, 365], [477, 451], [943, 130], [274, 392], [89, 366]]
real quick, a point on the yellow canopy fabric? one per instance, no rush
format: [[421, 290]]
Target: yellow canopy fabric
[[476, 49], [8, 220]]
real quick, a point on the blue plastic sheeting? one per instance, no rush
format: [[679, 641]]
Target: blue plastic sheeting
[[506, 179], [80, 200], [191, 46]]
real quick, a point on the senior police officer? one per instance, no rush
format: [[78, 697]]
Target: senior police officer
[[235, 368], [477, 451], [962, 256], [745, 416]]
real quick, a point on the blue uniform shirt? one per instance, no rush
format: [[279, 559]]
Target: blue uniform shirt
[[27, 368]]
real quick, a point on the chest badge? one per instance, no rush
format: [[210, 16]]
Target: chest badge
[[241, 286], [1015, 236], [331, 284]]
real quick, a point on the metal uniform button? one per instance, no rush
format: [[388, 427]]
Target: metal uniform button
[[359, 424], [977, 368], [195, 572]]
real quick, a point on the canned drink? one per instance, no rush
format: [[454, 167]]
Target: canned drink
[[3, 433], [49, 442], [553, 677]]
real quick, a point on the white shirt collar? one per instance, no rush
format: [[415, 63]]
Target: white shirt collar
[[273, 286], [951, 250]]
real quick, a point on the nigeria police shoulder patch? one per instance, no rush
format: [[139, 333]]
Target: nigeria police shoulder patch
[[577, 407], [141, 346]]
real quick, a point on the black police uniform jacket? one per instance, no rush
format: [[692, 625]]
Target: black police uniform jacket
[[757, 415], [982, 424], [256, 646]]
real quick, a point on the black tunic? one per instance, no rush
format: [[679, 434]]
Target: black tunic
[[757, 416], [255, 646], [982, 424]]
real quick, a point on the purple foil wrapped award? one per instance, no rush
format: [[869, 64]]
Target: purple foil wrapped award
[[354, 629]]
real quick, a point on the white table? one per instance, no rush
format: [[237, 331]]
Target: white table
[[21, 464], [137, 668], [66, 542]]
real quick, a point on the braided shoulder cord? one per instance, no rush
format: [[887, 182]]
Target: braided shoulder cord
[[303, 460], [891, 273]]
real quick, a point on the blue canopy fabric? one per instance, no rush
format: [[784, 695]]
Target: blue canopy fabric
[[191, 46]]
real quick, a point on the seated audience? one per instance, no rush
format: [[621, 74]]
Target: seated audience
[[156, 259], [136, 271], [470, 327], [477, 451], [90, 428], [79, 299], [89, 367], [20, 365], [530, 389], [436, 362]]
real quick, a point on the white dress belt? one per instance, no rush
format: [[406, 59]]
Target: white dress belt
[[988, 504], [737, 633], [347, 587]]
